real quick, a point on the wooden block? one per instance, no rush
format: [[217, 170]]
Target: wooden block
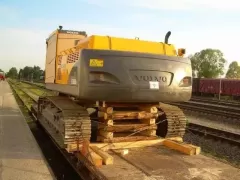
[[181, 147], [109, 122], [85, 147], [93, 157], [146, 115], [151, 109], [197, 149], [134, 143], [101, 114], [126, 127], [105, 134], [148, 121], [107, 159], [148, 132], [100, 139], [123, 152], [108, 110], [121, 115], [178, 139], [105, 122]]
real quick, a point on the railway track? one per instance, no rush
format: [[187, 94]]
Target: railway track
[[40, 85], [217, 134], [220, 110], [235, 104]]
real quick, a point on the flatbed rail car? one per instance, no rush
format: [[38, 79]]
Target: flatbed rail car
[[154, 159], [112, 90]]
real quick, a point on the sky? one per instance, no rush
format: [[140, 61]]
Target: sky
[[195, 25]]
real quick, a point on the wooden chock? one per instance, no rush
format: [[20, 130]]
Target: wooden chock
[[85, 147], [107, 159], [182, 147], [90, 154]]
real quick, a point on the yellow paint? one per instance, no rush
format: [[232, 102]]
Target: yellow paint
[[96, 63], [107, 43]]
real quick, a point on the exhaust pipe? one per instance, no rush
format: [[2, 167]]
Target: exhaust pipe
[[167, 37]]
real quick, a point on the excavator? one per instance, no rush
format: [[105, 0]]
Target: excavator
[[113, 89]]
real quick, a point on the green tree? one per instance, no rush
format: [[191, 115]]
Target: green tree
[[12, 73], [37, 72], [27, 73], [20, 74], [31, 73], [208, 63], [233, 71]]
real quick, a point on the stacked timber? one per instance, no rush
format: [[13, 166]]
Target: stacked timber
[[124, 122]]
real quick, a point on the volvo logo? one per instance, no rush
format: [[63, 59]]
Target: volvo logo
[[72, 32], [151, 78]]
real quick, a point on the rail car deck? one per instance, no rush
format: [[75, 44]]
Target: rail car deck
[[160, 163], [20, 156]]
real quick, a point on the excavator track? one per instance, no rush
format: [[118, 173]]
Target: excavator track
[[172, 123], [70, 123], [66, 121]]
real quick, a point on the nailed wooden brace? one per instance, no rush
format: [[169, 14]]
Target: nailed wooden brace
[[130, 144], [107, 159], [125, 127], [120, 115], [90, 154], [182, 147]]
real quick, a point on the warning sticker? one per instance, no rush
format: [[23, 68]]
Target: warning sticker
[[154, 84], [96, 63]]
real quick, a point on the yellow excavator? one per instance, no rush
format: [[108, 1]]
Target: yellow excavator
[[113, 89]]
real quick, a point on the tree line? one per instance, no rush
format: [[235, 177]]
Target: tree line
[[28, 73], [208, 63]]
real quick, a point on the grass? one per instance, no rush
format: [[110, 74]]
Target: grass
[[19, 98], [20, 90]]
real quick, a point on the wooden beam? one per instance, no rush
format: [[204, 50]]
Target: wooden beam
[[150, 109], [178, 139], [121, 115], [94, 158], [181, 147], [108, 110], [148, 132], [197, 149], [150, 121], [120, 145], [134, 144], [107, 159], [125, 127]]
